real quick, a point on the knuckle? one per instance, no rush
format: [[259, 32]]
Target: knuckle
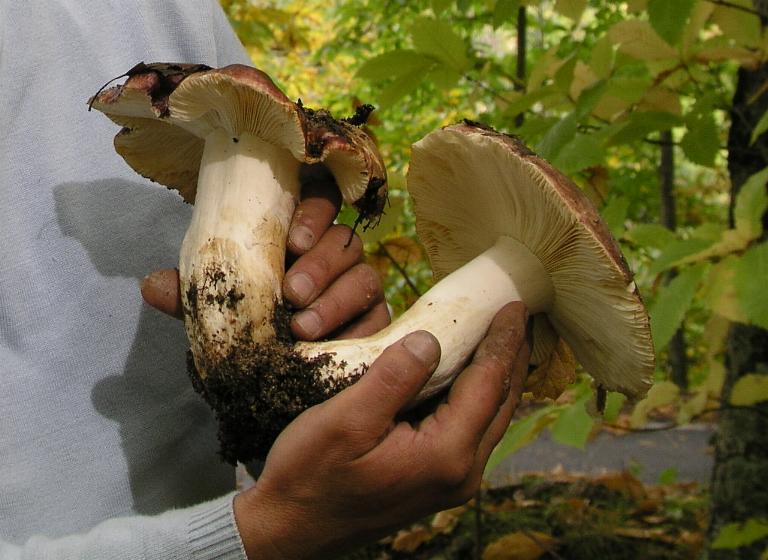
[[369, 280]]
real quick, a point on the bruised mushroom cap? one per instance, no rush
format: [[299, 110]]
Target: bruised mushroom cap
[[470, 185], [167, 110]]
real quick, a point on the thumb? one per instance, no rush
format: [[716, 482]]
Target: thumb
[[160, 289], [392, 380]]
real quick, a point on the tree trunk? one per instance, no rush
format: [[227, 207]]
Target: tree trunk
[[739, 489], [677, 360]]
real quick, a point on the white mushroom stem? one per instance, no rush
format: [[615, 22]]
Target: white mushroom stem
[[232, 267], [232, 259], [457, 310]]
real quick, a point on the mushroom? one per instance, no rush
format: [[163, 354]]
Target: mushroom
[[499, 224]]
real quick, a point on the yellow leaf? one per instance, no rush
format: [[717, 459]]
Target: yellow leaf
[[719, 292], [661, 394], [750, 389], [740, 26], [638, 39], [623, 482], [403, 250], [743, 56], [635, 6], [529, 545], [409, 540], [661, 100], [571, 8], [552, 376], [692, 32], [693, 406], [583, 77]]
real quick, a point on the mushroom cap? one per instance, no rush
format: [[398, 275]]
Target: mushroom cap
[[167, 110], [470, 185]]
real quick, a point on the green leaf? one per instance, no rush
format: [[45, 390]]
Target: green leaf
[[520, 433], [583, 151], [750, 389], [669, 17], [677, 251], [393, 64], [571, 8], [565, 129], [668, 476], [614, 214], [504, 11], [735, 535], [760, 127], [750, 278], [573, 425], [640, 125], [443, 77], [440, 6], [603, 55], [673, 303], [751, 204], [701, 143], [613, 404], [650, 235], [437, 39], [558, 136]]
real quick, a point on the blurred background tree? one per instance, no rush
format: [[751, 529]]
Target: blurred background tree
[[656, 108]]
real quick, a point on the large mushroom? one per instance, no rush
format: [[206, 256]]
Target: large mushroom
[[499, 224]]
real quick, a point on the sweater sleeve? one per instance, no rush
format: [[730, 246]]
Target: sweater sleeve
[[203, 532]]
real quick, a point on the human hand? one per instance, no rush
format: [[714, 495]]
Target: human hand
[[334, 291], [349, 470]]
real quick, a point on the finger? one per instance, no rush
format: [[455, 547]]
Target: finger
[[482, 388], [391, 382], [500, 423], [160, 289], [320, 203], [336, 252], [355, 292], [370, 322]]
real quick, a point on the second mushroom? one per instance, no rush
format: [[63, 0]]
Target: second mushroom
[[499, 224]]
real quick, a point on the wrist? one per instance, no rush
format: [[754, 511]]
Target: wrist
[[257, 525]]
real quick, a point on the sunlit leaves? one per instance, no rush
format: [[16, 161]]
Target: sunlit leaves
[[436, 38], [751, 204]]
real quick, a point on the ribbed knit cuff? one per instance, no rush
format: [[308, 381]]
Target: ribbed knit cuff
[[213, 534]]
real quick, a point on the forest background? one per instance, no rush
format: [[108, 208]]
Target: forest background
[[656, 109]]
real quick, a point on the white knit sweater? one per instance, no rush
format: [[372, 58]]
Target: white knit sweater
[[105, 450]]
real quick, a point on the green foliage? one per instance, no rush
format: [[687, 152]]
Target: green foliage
[[573, 424], [669, 309], [602, 80]]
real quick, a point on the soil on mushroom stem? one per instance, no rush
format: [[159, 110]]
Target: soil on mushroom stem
[[258, 389]]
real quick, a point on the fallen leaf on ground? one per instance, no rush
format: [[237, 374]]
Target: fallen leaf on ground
[[529, 545]]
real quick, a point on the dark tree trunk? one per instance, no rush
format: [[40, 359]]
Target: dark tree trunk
[[522, 54], [677, 360], [739, 489]]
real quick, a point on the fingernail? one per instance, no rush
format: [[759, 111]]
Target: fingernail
[[424, 347], [302, 238], [300, 286], [308, 322]]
